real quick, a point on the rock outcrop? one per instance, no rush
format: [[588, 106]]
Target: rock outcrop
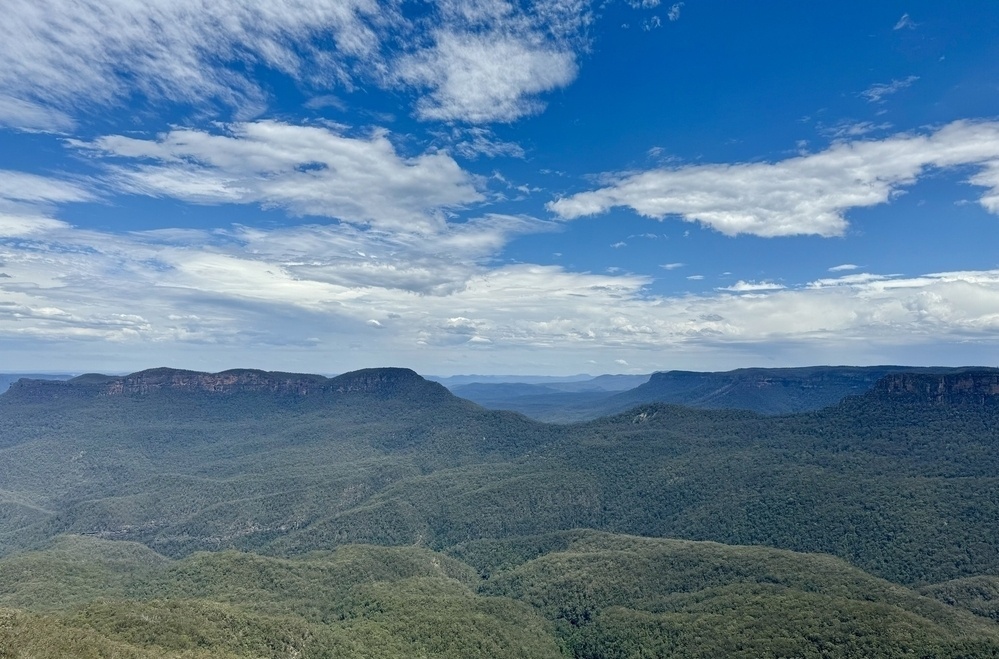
[[969, 387]]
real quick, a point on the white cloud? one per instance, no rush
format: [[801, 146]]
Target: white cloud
[[844, 267], [489, 60], [752, 287], [22, 187], [989, 178], [63, 55], [877, 93], [486, 77], [807, 194], [314, 290], [695, 277], [307, 170], [26, 199], [476, 141], [851, 129], [849, 280], [674, 12], [652, 23], [27, 115], [483, 60], [24, 225], [905, 22], [671, 266]]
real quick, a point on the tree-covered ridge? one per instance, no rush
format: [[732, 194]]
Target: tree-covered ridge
[[585, 594], [884, 483]]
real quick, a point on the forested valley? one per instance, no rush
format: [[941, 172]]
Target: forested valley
[[251, 514]]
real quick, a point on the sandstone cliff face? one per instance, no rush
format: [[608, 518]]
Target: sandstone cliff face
[[375, 380], [227, 382], [969, 387]]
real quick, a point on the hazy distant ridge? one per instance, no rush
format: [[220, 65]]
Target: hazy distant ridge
[[762, 390]]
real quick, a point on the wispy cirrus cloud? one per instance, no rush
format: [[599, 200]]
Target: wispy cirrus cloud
[[22, 187], [477, 61], [62, 56], [32, 116], [853, 129], [877, 93], [905, 22], [26, 201], [475, 142], [807, 194]]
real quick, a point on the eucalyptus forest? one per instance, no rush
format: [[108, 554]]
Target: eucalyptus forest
[[376, 514]]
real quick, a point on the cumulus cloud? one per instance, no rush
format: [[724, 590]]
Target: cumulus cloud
[[989, 178], [844, 267], [486, 77], [490, 60], [320, 288], [674, 12], [306, 170], [807, 194], [215, 285]]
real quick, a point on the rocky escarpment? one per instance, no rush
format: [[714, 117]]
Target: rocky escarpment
[[970, 387], [226, 382], [378, 381], [763, 390]]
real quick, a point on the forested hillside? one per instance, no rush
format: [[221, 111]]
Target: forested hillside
[[376, 514]]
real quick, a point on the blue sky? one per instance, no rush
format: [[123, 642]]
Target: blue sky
[[546, 187]]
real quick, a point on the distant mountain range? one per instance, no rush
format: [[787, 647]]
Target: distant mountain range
[[7, 379], [763, 390]]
